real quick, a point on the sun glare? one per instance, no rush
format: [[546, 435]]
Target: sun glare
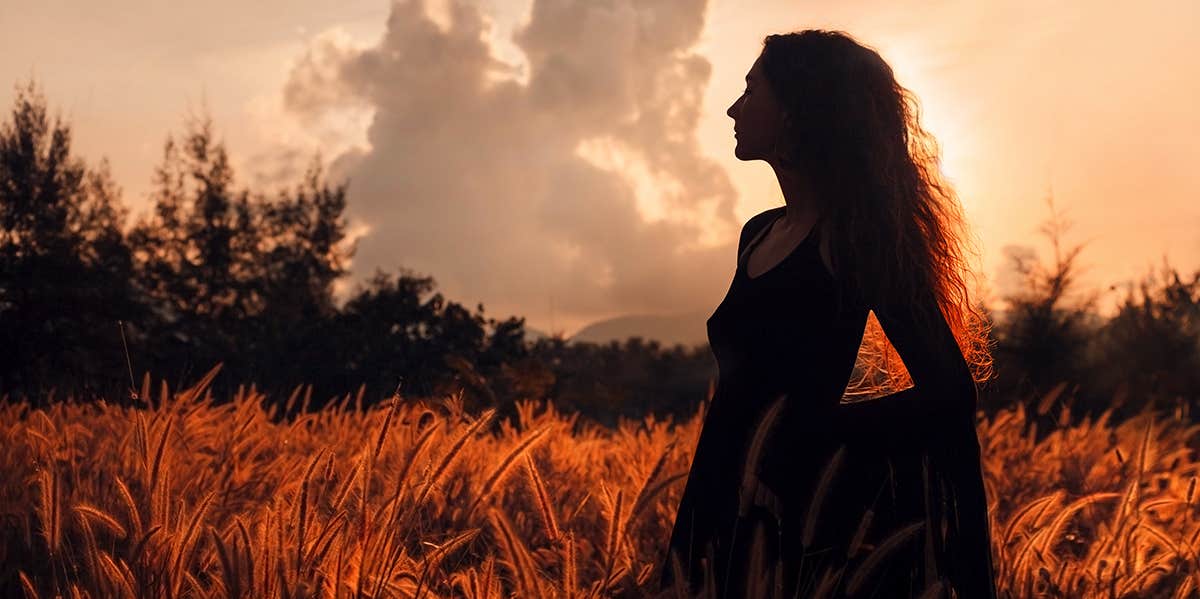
[[939, 113]]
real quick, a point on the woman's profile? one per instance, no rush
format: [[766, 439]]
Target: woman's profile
[[792, 492]]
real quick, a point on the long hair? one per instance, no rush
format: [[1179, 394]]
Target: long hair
[[898, 232]]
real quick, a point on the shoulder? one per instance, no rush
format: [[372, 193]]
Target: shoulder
[[764, 217], [756, 224]]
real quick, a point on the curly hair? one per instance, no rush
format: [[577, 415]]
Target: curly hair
[[897, 228]]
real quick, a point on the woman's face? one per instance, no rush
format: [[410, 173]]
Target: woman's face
[[757, 117]]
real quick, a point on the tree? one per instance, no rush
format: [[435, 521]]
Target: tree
[[236, 277], [1045, 334], [65, 270], [196, 255], [399, 329], [302, 254], [1152, 345]]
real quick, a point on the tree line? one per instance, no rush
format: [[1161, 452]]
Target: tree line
[[90, 300], [214, 273]]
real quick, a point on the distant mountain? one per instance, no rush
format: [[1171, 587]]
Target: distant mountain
[[668, 329], [532, 334]]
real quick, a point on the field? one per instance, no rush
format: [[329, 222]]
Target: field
[[185, 496]]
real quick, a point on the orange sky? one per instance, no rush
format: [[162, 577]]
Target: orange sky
[[575, 158]]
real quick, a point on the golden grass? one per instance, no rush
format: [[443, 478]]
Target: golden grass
[[416, 498]]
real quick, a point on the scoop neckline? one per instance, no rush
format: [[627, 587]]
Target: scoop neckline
[[742, 260]]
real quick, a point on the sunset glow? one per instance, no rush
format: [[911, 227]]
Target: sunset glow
[[1025, 99], [487, 298]]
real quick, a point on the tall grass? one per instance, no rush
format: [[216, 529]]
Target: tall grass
[[187, 497]]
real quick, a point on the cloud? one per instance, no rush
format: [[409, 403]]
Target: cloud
[[477, 178]]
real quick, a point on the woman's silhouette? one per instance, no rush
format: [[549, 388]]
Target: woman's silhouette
[[882, 497]]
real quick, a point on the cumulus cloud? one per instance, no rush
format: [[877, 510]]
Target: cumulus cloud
[[476, 177]]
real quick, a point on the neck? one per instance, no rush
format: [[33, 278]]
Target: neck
[[803, 206]]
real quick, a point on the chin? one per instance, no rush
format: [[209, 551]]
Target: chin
[[742, 153]]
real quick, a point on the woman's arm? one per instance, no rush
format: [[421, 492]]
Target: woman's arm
[[933, 420], [943, 390]]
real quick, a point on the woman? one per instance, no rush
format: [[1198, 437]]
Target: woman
[[791, 491]]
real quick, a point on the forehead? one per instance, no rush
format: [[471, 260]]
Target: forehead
[[755, 69]]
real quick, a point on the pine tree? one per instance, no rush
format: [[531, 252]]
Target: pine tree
[[65, 269]]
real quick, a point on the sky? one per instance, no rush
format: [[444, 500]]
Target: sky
[[571, 160]]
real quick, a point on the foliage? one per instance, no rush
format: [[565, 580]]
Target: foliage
[[609, 381], [211, 273], [1046, 329], [399, 328], [1152, 344], [230, 273], [65, 269], [1052, 337]]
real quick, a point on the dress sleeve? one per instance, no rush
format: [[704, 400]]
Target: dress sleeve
[[943, 394], [933, 421]]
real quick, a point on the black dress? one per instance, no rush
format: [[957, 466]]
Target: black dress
[[911, 458]]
